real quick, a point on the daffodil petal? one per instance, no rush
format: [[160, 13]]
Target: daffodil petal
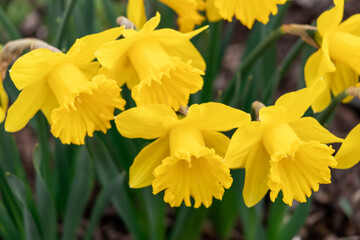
[[217, 116], [150, 25], [141, 171], [351, 25], [349, 152], [343, 78], [257, 172], [107, 52], [33, 67], [4, 101], [49, 105], [218, 141], [296, 103], [136, 12], [307, 128], [241, 144], [83, 50], [147, 121], [29, 101], [326, 64], [331, 18]]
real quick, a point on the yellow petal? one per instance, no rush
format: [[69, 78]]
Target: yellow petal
[[83, 50], [151, 156], [257, 172], [29, 101], [242, 143], [136, 12], [216, 116], [178, 44], [4, 101], [149, 121], [33, 66], [217, 141], [307, 128], [313, 72], [351, 25], [50, 104], [343, 78], [109, 53], [201, 175], [152, 24], [296, 103], [330, 19], [92, 110], [349, 152], [296, 175], [212, 13], [172, 88]]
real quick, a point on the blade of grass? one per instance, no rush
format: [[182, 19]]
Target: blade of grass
[[45, 201], [102, 201], [106, 171], [8, 25], [80, 191], [276, 217], [65, 17], [7, 226]]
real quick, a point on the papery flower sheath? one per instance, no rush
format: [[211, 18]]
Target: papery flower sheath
[[338, 59], [186, 160], [283, 151], [159, 66], [247, 11], [65, 87]]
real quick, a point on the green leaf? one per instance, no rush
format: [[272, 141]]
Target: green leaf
[[189, 222], [8, 229], [45, 201], [9, 156], [102, 201], [106, 171], [29, 213], [80, 191], [278, 209]]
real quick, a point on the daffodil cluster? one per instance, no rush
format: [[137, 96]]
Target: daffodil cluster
[[79, 91], [189, 16]]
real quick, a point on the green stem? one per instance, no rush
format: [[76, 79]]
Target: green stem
[[212, 61], [252, 57], [110, 13], [64, 20], [4, 19], [324, 116], [282, 69]]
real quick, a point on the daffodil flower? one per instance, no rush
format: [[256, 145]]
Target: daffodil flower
[[247, 12], [186, 160], [135, 12], [338, 59], [283, 151], [159, 66], [66, 89]]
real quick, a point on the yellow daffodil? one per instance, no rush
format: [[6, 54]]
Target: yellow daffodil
[[186, 160], [349, 152], [4, 101], [136, 12], [159, 66], [338, 59], [282, 151], [65, 88], [187, 11], [247, 11]]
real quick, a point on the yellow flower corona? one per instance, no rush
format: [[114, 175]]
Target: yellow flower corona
[[159, 66], [65, 87], [247, 11], [186, 160], [282, 151], [338, 59]]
